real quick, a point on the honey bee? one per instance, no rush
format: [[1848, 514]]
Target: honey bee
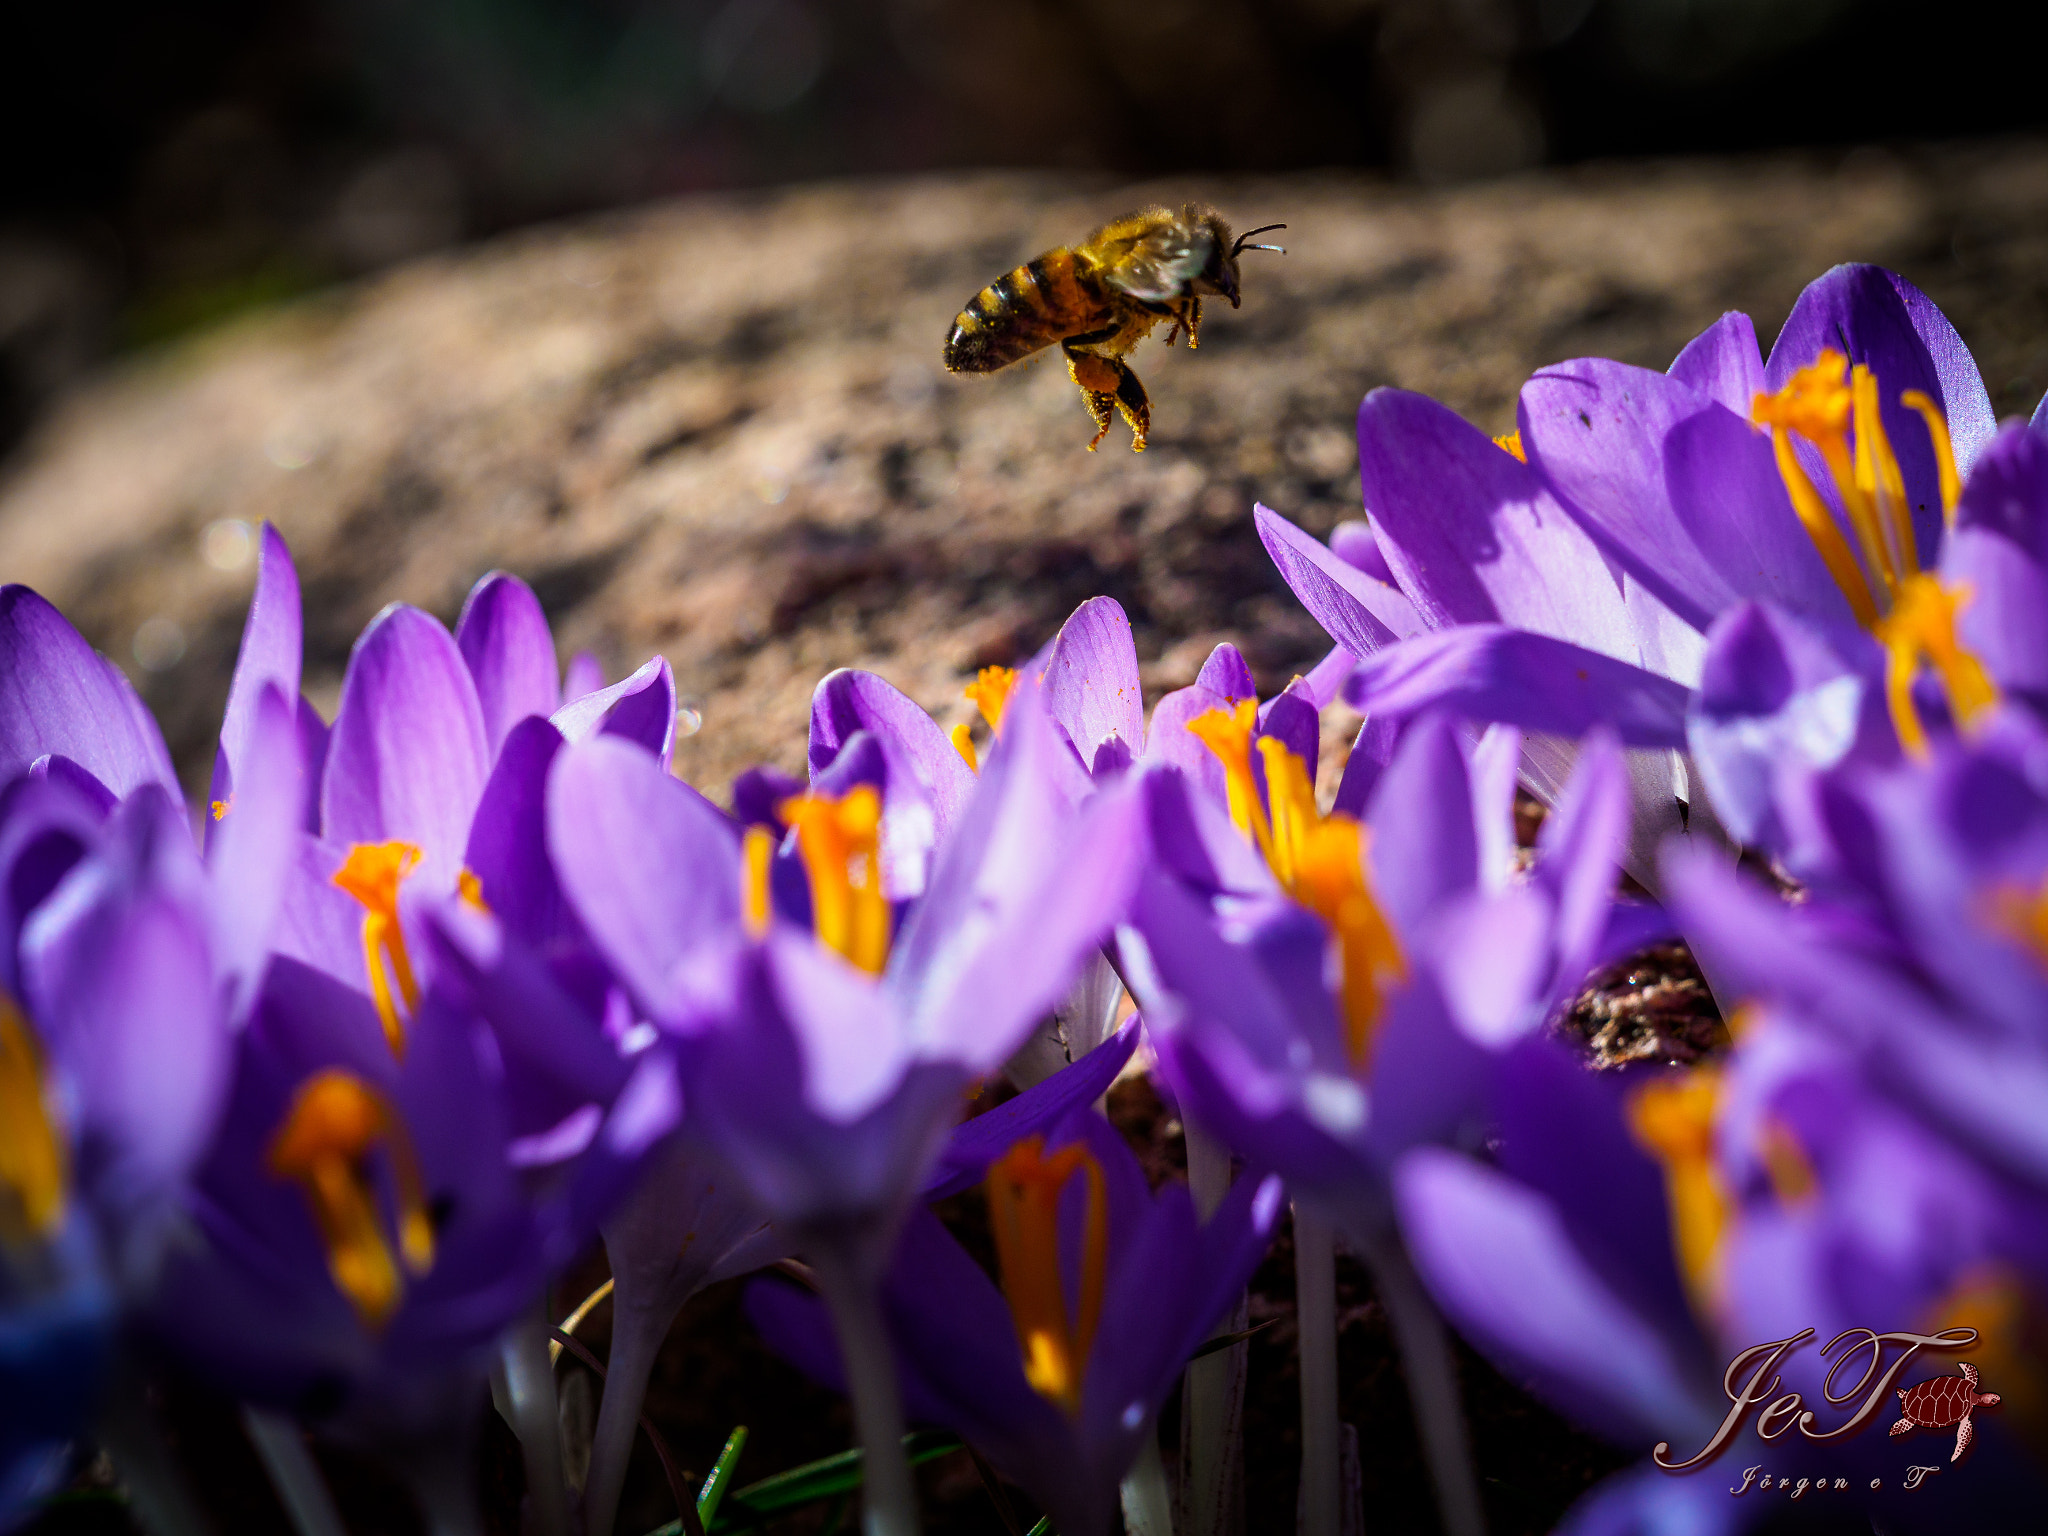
[[1100, 298]]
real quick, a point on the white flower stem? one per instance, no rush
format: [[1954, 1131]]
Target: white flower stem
[[1315, 1300], [1148, 1504], [281, 1446], [530, 1388], [1432, 1384], [159, 1494], [637, 1335], [888, 1496], [1214, 1395]]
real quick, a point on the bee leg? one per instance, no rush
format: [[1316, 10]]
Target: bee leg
[[1180, 320], [1130, 399], [1193, 317], [1099, 379]]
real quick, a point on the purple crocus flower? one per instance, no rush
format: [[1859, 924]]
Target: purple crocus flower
[[126, 960], [1323, 1024], [1783, 696], [1106, 1289], [824, 1062], [1578, 586], [1735, 1206]]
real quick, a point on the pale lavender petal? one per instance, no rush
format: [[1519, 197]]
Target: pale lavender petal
[[408, 757], [641, 709], [584, 674], [1360, 614], [1022, 893], [1326, 679], [1496, 767], [58, 695], [313, 738], [1503, 1267], [272, 644], [1091, 679], [849, 701], [650, 865], [1473, 535], [1424, 846], [1170, 740], [1724, 363], [254, 846], [504, 637], [1683, 491], [1225, 672], [1354, 542], [1580, 851], [1489, 672]]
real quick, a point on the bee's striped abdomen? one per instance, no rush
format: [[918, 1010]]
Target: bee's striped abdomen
[[1027, 308]]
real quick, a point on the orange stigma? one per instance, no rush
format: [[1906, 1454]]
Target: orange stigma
[[1511, 444], [1318, 860], [372, 875], [840, 841], [33, 1173], [1673, 1120], [1922, 628], [335, 1121], [990, 694], [1024, 1190], [757, 857]]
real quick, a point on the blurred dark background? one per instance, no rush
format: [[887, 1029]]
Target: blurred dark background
[[170, 164]]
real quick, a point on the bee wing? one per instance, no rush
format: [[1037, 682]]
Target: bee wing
[[1160, 263]]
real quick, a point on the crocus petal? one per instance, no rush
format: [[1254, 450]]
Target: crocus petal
[[272, 644], [641, 709], [584, 674], [1021, 894], [507, 849], [1170, 740], [1354, 542], [118, 967], [1360, 614], [978, 1142], [1371, 750], [408, 756], [1295, 721], [504, 637], [847, 702], [1999, 550], [1091, 680], [1425, 844], [1515, 677], [1724, 363], [650, 865], [1501, 1264], [1225, 672], [1683, 490], [255, 844], [59, 695], [1879, 319], [1580, 849], [1779, 695], [47, 824], [313, 738], [1473, 535]]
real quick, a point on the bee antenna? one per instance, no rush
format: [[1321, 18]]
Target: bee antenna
[[1244, 240]]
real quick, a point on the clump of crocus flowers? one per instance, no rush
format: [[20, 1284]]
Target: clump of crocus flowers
[[312, 1086]]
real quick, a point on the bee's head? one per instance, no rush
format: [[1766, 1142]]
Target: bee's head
[[1220, 275]]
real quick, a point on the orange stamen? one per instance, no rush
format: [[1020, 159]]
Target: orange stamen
[[372, 875], [1024, 1190], [840, 842]]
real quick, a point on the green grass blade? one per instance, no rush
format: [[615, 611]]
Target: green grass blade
[[713, 1491]]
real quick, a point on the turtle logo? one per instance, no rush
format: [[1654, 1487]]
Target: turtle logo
[[1943, 1401]]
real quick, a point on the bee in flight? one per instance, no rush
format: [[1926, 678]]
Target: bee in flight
[[1100, 298]]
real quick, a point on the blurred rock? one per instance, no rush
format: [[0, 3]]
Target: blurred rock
[[718, 428]]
